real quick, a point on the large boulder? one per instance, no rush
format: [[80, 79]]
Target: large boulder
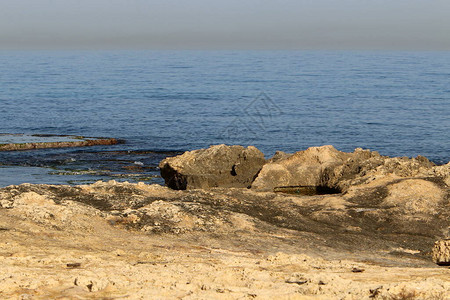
[[217, 166], [303, 168]]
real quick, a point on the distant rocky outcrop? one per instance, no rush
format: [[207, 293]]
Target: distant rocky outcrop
[[77, 142], [217, 166]]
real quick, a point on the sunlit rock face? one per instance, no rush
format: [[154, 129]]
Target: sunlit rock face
[[303, 168], [217, 166]]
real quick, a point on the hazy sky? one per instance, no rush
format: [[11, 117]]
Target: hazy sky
[[225, 24]]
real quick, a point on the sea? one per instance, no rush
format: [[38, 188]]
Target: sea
[[162, 103]]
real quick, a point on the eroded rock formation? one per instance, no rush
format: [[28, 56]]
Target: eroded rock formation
[[304, 168], [390, 192], [217, 166], [327, 167]]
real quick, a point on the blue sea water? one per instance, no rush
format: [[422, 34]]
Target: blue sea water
[[164, 102]]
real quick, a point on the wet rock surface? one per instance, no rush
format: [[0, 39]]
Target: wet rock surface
[[376, 239], [16, 142]]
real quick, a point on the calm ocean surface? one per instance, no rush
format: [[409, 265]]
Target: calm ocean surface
[[163, 102]]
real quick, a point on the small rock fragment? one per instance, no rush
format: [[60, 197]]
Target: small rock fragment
[[375, 292], [73, 265], [441, 252], [357, 270]]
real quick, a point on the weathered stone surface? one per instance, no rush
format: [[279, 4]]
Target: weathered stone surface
[[441, 252], [65, 144], [304, 168], [139, 241], [327, 167], [415, 196], [365, 166], [441, 172], [217, 166], [381, 221]]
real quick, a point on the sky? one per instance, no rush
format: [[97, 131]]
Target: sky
[[225, 24]]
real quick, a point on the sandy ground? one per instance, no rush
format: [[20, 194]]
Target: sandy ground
[[114, 264]]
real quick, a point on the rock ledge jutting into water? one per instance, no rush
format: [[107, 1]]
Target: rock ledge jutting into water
[[22, 142]]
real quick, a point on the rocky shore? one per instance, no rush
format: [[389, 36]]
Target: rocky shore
[[316, 224]]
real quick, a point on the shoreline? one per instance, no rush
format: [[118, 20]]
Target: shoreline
[[381, 233], [115, 164]]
